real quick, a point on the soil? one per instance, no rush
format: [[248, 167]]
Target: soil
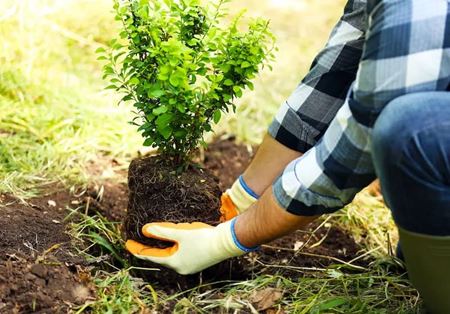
[[39, 269], [41, 272], [227, 160], [158, 193]]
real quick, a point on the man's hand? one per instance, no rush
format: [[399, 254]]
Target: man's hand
[[237, 200], [196, 246]]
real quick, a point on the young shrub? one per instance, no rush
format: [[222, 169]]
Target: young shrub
[[181, 67]]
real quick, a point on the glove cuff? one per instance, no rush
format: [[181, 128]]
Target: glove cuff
[[242, 195], [230, 245], [236, 241]]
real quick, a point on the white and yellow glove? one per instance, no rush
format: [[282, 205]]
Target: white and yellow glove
[[237, 200], [196, 246]]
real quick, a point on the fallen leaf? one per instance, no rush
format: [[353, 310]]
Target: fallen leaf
[[265, 299]]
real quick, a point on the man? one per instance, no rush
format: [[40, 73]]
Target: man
[[375, 102]]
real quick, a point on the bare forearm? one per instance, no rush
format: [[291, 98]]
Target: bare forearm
[[268, 163], [266, 221]]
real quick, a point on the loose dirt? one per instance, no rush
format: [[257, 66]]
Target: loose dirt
[[38, 265], [41, 272]]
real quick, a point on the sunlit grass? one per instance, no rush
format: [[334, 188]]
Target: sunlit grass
[[54, 114]]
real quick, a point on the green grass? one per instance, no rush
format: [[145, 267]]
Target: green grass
[[57, 124], [55, 117]]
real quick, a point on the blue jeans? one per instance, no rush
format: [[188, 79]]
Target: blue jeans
[[411, 154]]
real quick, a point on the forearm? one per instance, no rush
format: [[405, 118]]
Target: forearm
[[268, 163], [266, 221]]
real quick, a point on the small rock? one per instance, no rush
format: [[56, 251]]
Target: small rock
[[39, 270], [81, 293], [298, 245], [30, 277], [51, 203]]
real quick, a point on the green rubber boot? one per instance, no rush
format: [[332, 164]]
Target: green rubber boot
[[428, 262]]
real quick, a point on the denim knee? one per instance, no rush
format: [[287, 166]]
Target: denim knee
[[411, 155]]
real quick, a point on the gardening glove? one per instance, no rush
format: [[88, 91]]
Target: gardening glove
[[237, 200], [196, 246]]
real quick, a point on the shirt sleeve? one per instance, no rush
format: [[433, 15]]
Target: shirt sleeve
[[400, 57], [302, 120]]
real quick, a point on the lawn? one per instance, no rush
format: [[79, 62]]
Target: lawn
[[61, 131]]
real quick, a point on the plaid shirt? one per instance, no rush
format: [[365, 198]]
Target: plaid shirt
[[405, 48]]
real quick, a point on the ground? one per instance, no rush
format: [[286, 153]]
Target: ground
[[65, 147], [43, 269]]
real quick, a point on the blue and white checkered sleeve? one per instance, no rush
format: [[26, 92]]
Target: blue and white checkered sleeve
[[302, 120], [407, 50]]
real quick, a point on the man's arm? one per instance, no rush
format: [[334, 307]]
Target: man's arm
[[399, 57], [302, 119], [266, 221]]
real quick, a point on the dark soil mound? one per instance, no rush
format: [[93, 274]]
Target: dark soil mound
[[34, 226], [38, 272], [157, 193], [39, 288]]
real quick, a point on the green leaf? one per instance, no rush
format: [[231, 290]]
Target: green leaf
[[164, 119], [245, 65], [165, 131], [181, 108], [100, 50], [112, 86], [133, 81], [238, 91], [217, 116], [180, 133], [148, 142], [331, 304], [228, 82], [174, 80], [155, 93], [160, 110]]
